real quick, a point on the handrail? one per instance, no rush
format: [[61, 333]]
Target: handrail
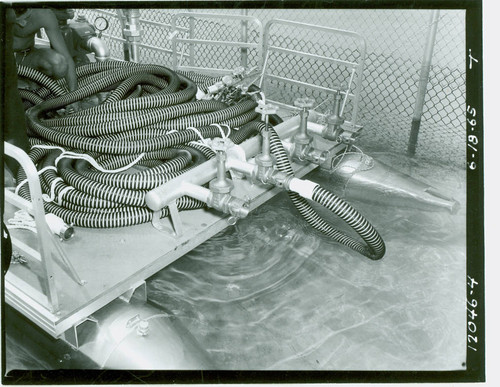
[[48, 246]]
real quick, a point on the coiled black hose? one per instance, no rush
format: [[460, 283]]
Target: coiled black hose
[[148, 113], [123, 128], [374, 247]]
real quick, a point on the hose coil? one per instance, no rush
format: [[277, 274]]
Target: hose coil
[[146, 119]]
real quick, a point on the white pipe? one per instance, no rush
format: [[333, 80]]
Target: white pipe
[[99, 48], [160, 197], [241, 166], [314, 128], [304, 188], [185, 188], [163, 195]]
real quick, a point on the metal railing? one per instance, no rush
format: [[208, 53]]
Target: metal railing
[[191, 41], [354, 73], [396, 41], [49, 249]]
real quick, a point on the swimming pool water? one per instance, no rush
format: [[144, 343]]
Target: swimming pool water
[[272, 294]]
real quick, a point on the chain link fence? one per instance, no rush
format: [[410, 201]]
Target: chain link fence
[[396, 40]]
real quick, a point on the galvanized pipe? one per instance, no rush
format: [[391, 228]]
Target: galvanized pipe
[[132, 33], [99, 48]]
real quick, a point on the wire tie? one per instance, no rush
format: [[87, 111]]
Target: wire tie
[[16, 191], [51, 198], [198, 133], [228, 129], [41, 146], [220, 128], [62, 193], [95, 164]]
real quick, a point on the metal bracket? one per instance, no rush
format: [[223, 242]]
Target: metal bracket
[[175, 228], [71, 335], [137, 292]]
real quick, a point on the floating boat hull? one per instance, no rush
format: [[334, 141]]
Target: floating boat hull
[[139, 336], [358, 176]]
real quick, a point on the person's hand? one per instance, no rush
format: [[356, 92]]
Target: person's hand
[[73, 107]]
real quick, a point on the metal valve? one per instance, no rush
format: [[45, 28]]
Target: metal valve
[[334, 121], [265, 160], [221, 184], [305, 103], [142, 328], [238, 71], [266, 109]]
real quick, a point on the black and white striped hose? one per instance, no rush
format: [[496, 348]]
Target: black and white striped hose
[[373, 248], [147, 118], [150, 130]]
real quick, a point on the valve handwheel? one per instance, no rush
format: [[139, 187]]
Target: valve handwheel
[[304, 102]]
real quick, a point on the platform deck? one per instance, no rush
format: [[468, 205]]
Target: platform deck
[[113, 261]]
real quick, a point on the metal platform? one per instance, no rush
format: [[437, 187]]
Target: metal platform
[[111, 262]]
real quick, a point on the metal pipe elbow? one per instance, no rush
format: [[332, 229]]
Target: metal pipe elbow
[[99, 48]]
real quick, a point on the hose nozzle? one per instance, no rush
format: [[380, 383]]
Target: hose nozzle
[[58, 227]]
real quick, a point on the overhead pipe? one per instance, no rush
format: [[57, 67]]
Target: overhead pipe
[[126, 45], [244, 39]]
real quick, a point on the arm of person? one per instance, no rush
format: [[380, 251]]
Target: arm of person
[[57, 41]]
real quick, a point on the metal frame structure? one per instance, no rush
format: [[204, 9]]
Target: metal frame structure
[[356, 68], [190, 41]]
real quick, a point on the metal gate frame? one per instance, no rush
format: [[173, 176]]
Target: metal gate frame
[[355, 67], [191, 41]]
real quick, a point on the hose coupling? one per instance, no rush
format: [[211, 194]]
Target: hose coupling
[[132, 29], [280, 179], [264, 172], [228, 204], [58, 227]]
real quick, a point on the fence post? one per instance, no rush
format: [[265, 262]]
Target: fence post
[[244, 39], [423, 80], [191, 36]]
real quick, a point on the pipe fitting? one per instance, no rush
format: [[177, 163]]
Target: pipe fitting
[[265, 159], [281, 179], [304, 104], [334, 121], [221, 184], [99, 48], [59, 227], [228, 204]]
